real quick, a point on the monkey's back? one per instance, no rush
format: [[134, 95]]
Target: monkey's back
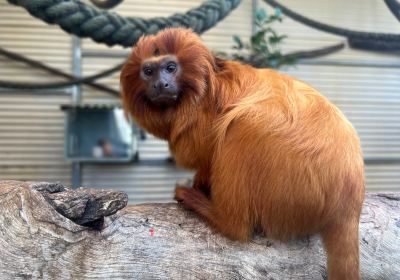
[[289, 156]]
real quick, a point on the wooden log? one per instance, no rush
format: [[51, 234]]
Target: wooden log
[[164, 241]]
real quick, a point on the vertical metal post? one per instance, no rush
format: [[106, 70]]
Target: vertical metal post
[[76, 99], [255, 6], [76, 68]]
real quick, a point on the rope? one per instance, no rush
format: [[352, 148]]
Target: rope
[[52, 70], [28, 85], [260, 62], [357, 39], [106, 4], [89, 80], [394, 7], [316, 53], [109, 28]]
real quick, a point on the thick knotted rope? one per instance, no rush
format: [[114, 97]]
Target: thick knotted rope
[[75, 81], [110, 28], [394, 7], [106, 4], [357, 39]]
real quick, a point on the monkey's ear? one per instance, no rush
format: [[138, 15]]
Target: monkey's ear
[[219, 63]]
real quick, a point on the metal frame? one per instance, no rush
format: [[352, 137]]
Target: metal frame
[[76, 171]]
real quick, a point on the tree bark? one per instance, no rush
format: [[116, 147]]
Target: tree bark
[[164, 241]]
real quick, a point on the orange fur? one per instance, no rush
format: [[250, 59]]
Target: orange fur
[[276, 154]]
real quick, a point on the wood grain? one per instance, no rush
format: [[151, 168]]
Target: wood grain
[[164, 241]]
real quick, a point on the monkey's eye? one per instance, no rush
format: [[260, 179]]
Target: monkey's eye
[[148, 71], [171, 67]]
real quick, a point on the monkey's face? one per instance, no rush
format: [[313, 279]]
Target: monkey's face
[[165, 74], [160, 75]]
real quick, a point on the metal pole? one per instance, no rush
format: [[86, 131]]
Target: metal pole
[[76, 68], [255, 5], [76, 99]]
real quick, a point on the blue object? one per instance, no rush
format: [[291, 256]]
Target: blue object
[[99, 133]]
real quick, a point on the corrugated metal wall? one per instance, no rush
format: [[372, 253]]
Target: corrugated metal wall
[[31, 126]]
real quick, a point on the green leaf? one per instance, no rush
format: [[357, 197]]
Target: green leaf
[[261, 15], [257, 38], [262, 50], [238, 41]]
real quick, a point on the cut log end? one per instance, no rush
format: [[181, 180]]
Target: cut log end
[[86, 207]]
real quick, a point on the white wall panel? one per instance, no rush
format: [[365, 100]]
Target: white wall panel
[[145, 182], [31, 126], [32, 138]]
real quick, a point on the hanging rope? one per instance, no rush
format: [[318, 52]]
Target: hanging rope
[[76, 81], [106, 4], [89, 80], [316, 53], [361, 40], [394, 7], [110, 28], [37, 64]]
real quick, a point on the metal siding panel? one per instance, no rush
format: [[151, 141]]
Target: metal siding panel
[[31, 138], [142, 182], [383, 177], [37, 172], [32, 126]]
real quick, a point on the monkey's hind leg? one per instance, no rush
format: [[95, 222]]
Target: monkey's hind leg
[[224, 216], [201, 182], [341, 242]]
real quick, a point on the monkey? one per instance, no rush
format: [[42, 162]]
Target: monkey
[[270, 152]]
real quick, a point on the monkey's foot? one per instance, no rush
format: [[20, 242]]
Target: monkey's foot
[[181, 195], [192, 199]]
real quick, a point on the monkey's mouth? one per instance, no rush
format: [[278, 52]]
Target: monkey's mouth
[[164, 99]]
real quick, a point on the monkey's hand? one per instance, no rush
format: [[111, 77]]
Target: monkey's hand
[[191, 199], [181, 195]]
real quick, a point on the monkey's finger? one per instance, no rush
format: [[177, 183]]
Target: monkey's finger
[[180, 193]]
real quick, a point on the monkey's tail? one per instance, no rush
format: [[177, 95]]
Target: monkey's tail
[[341, 241]]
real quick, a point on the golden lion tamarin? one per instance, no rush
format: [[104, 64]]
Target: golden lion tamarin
[[270, 151]]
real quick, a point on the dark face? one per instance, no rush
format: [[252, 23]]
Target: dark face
[[160, 75]]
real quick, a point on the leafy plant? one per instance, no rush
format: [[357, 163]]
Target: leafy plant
[[263, 50]]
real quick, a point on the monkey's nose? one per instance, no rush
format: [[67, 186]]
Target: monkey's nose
[[160, 85]]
